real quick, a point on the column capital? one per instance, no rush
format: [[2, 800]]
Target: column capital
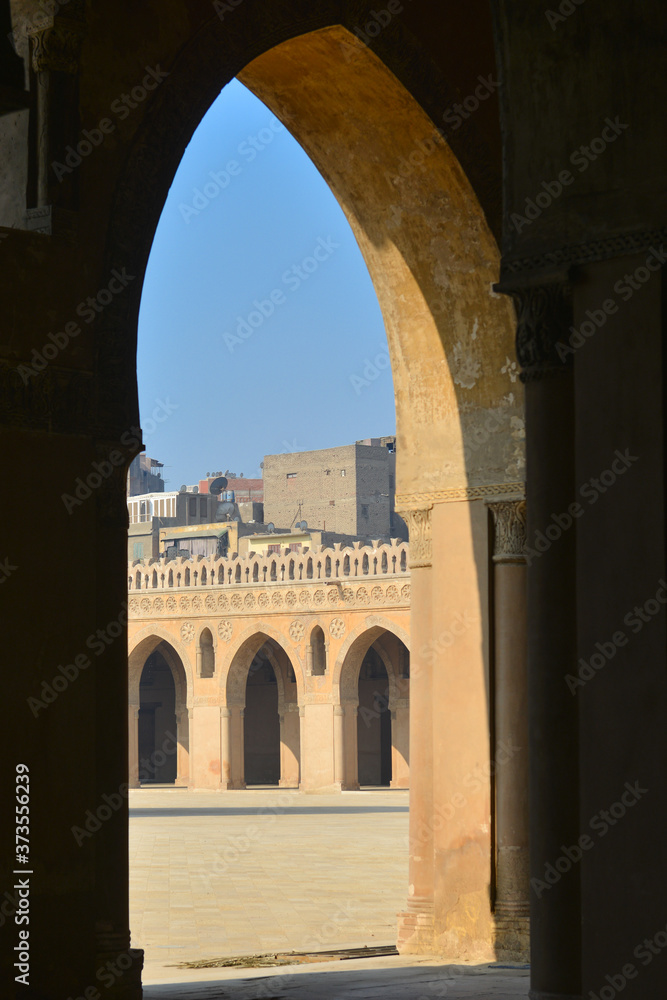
[[509, 521], [339, 710], [420, 536], [56, 41], [544, 317]]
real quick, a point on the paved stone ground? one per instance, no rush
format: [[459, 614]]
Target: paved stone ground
[[368, 979], [247, 872]]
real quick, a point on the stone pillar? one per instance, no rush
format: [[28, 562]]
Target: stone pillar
[[199, 655], [237, 747], [416, 924], [225, 748], [350, 746], [183, 748], [544, 318], [133, 755], [309, 660], [512, 903], [289, 746], [400, 743], [56, 46], [339, 746]]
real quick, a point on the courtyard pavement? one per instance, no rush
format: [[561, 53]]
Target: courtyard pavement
[[249, 872]]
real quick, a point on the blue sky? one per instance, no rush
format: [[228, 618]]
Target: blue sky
[[257, 308]]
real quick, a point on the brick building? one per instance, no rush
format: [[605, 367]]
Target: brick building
[[349, 490]]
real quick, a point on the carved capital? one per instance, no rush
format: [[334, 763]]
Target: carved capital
[[56, 42], [544, 318], [509, 521], [421, 536]]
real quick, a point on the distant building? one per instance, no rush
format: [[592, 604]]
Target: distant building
[[246, 490], [348, 490], [142, 477]]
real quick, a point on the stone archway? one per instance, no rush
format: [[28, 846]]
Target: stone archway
[[159, 722], [368, 705], [254, 701]]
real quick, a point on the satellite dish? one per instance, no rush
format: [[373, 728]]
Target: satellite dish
[[270, 526], [304, 525], [225, 509], [217, 486], [236, 518], [183, 489]]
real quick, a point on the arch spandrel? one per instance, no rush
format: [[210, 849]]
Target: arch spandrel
[[354, 648], [145, 642], [234, 672]]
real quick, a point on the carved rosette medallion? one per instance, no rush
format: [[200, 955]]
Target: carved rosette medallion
[[421, 537], [509, 520], [297, 630], [187, 631], [225, 630], [337, 628], [210, 602], [223, 602]]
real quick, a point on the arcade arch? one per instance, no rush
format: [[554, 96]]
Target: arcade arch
[[159, 745], [261, 719], [372, 738]]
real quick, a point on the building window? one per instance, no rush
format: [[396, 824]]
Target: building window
[[291, 475], [295, 546], [364, 510], [343, 472], [138, 548], [274, 549], [332, 503]]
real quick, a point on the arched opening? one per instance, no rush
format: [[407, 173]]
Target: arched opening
[[206, 654], [318, 652], [157, 722], [159, 737], [261, 733], [433, 261], [373, 722], [373, 671], [261, 729]]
